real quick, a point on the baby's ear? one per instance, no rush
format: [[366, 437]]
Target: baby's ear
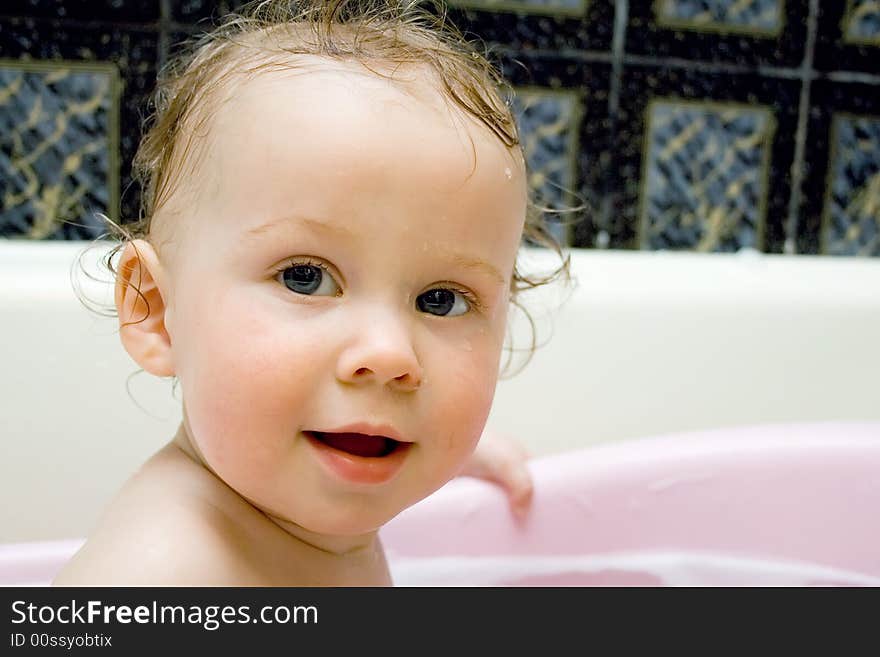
[[141, 308]]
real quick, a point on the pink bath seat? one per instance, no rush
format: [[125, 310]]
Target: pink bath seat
[[792, 504]]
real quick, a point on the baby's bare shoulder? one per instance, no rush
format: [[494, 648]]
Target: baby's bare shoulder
[[167, 547], [165, 527]]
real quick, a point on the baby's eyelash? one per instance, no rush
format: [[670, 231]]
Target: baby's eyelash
[[305, 261], [467, 294]]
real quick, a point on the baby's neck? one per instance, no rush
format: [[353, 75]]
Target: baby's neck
[[327, 560], [336, 545]]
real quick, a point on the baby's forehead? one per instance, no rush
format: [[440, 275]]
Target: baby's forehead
[[318, 81], [319, 97], [308, 95], [354, 113]]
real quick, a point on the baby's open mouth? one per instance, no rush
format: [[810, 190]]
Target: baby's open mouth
[[358, 444]]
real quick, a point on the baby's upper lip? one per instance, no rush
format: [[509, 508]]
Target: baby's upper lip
[[384, 430]]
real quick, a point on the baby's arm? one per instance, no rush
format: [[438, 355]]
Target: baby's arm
[[503, 460]]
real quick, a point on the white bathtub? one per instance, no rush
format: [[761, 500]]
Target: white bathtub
[[648, 344], [775, 505]]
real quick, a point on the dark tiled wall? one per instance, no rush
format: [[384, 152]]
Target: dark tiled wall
[[707, 125]]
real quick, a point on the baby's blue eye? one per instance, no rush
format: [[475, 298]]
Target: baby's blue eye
[[308, 279], [442, 302]]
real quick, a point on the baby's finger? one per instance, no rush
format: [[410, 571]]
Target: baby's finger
[[517, 481]]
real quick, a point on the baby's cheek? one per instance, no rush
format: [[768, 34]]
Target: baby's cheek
[[464, 402], [232, 391]]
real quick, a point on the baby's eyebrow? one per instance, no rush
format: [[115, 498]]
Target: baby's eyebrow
[[307, 222], [476, 264]]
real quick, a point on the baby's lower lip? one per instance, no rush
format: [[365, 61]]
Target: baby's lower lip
[[357, 468]]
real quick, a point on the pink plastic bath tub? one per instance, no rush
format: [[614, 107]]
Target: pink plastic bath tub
[[769, 505]]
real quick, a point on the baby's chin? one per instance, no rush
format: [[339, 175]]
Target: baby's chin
[[340, 520]]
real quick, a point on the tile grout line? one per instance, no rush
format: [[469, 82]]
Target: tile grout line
[[164, 36], [856, 77], [797, 174], [650, 61], [602, 238]]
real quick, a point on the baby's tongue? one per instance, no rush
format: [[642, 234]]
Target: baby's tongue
[[356, 443]]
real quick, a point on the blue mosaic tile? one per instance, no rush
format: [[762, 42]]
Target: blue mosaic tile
[[861, 23], [548, 124], [750, 16], [58, 145], [851, 218], [735, 32], [524, 32], [848, 37], [705, 176], [131, 52], [105, 10], [201, 10], [566, 7]]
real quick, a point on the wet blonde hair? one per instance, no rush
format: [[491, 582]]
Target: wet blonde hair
[[269, 35]]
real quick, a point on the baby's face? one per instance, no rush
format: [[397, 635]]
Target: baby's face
[[345, 260]]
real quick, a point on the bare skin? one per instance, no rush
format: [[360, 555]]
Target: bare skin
[[232, 543], [172, 494]]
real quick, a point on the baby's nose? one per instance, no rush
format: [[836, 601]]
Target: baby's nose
[[404, 381], [381, 354]]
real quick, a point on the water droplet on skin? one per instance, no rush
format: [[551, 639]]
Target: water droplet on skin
[[508, 173]]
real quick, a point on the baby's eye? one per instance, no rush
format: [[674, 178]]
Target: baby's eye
[[309, 278], [443, 302]]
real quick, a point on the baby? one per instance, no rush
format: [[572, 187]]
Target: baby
[[335, 195]]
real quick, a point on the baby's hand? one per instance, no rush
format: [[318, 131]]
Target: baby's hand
[[502, 460]]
